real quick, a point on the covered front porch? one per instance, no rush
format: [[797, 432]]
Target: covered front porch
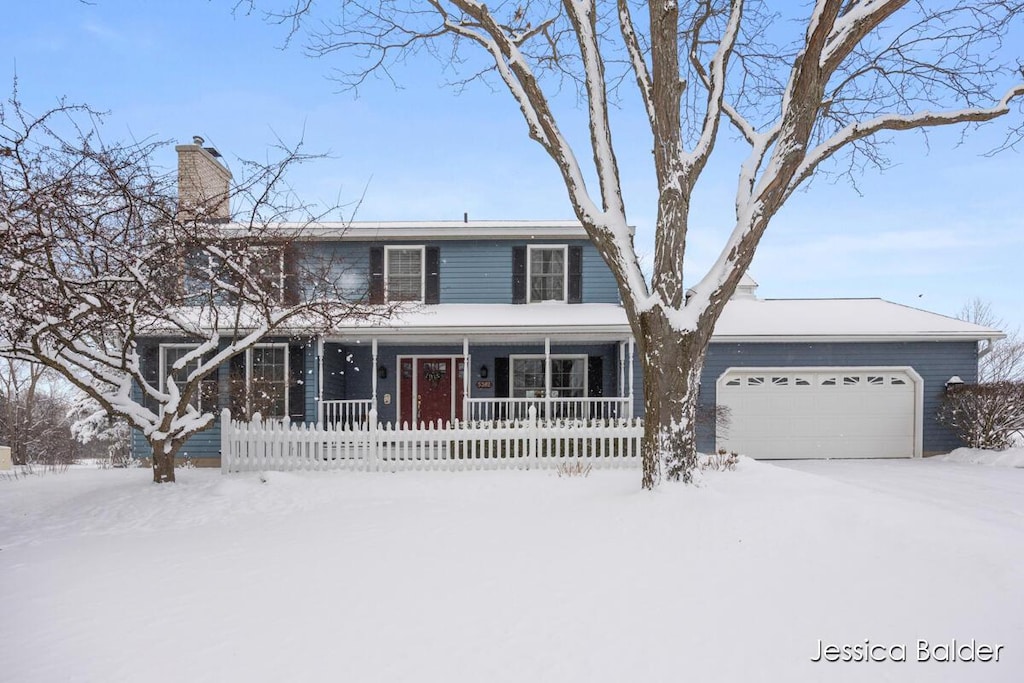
[[412, 381]]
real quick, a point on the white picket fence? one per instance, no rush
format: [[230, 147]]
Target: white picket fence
[[524, 444]]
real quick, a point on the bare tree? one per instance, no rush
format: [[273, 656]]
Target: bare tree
[[800, 86], [33, 414], [97, 257], [1002, 361]]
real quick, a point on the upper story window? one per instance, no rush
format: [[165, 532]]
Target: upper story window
[[404, 273], [547, 272], [546, 268]]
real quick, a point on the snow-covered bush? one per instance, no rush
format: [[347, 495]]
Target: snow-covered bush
[[722, 461], [93, 424], [985, 415]]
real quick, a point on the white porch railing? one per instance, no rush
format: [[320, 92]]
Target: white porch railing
[[349, 413], [578, 409], [525, 444]]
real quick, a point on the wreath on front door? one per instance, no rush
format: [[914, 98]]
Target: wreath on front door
[[433, 373]]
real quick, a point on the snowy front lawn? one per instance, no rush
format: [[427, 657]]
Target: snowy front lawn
[[513, 576]]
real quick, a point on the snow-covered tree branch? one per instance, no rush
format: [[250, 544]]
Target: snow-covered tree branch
[[99, 256], [811, 89]]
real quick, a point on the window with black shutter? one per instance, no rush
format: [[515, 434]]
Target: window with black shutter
[[519, 275], [376, 287], [575, 283], [296, 382], [432, 295], [595, 376]]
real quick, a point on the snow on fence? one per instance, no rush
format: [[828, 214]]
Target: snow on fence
[[523, 444]]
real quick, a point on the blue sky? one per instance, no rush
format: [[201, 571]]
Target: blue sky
[[942, 226]]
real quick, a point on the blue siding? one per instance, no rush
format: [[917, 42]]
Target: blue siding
[[472, 271], [935, 362]]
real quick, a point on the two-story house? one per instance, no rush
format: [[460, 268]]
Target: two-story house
[[496, 317]]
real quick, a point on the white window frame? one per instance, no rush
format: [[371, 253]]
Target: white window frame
[[163, 370], [565, 271], [248, 377], [423, 270], [547, 372]]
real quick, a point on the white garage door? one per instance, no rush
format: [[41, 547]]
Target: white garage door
[[834, 413]]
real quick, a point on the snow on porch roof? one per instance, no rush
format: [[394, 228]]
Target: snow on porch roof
[[743, 320]]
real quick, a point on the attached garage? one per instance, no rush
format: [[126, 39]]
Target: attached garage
[[835, 412]]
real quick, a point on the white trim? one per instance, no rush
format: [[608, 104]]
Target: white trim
[[467, 369], [423, 269], [565, 271], [373, 375], [839, 369]]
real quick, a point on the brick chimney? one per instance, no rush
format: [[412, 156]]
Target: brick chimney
[[204, 183]]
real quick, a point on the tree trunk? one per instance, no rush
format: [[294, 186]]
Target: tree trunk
[[672, 364], [163, 461]]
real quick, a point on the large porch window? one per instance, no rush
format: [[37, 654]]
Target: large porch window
[[568, 377]]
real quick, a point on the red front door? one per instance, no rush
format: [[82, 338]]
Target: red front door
[[427, 388], [434, 390]]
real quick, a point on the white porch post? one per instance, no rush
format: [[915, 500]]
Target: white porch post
[[547, 378], [629, 408], [373, 373], [320, 381], [622, 369], [465, 379]]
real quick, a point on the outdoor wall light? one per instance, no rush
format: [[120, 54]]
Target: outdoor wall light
[[483, 372], [954, 382], [382, 372]]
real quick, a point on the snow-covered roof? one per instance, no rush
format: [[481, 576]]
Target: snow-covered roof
[[744, 320], [429, 230], [748, 319]]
